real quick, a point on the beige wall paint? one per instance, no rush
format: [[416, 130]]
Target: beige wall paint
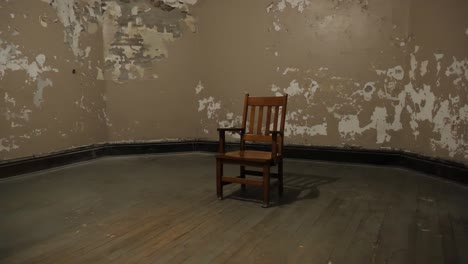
[[44, 106], [371, 74]]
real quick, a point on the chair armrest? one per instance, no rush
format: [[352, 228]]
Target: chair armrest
[[222, 136], [276, 133]]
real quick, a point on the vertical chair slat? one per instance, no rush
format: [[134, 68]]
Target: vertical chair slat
[[268, 121], [260, 120], [252, 119]]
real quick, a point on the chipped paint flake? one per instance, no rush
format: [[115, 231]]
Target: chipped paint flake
[[414, 65], [199, 87], [134, 42], [38, 95], [100, 74], [295, 130], [438, 58], [444, 124], [293, 89], [459, 69], [9, 99], [8, 144], [424, 67], [309, 94], [367, 91], [210, 105], [289, 69], [11, 58], [276, 26], [75, 22], [396, 72]]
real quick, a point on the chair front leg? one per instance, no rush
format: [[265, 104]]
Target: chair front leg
[[219, 176], [266, 186]]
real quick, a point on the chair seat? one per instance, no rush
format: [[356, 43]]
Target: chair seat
[[247, 155]]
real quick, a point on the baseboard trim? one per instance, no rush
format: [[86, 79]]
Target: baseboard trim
[[437, 167]]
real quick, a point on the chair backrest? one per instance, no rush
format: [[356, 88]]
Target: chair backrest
[[262, 115]]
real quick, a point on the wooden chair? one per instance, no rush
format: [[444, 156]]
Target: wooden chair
[[262, 127]]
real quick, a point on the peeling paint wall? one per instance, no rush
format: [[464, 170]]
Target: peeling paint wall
[[381, 74], [370, 74], [151, 64], [50, 99], [137, 35]]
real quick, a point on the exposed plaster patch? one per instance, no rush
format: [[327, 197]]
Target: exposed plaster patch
[[81, 104], [276, 89], [34, 133], [8, 144], [210, 105], [458, 68], [367, 91], [424, 67], [438, 57], [23, 115], [300, 5], [87, 51], [270, 6], [199, 87], [289, 69], [293, 89], [9, 99], [397, 73], [106, 118], [11, 58], [309, 94], [349, 126], [100, 74], [423, 102], [276, 26], [44, 20], [296, 130], [135, 37], [38, 95], [414, 65], [75, 19], [445, 124]]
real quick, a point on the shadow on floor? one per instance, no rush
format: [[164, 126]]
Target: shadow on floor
[[296, 187]]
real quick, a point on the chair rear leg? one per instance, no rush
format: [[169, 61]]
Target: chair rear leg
[[242, 175], [280, 178], [266, 186], [219, 175]]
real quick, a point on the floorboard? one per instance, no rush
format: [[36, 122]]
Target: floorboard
[[163, 209]]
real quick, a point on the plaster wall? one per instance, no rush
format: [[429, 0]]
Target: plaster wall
[[50, 96], [369, 74], [380, 74]]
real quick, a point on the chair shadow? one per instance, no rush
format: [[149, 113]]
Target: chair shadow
[[296, 187]]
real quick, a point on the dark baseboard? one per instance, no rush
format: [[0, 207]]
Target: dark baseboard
[[442, 168]]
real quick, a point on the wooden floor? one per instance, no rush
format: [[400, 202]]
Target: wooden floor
[[163, 209]]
